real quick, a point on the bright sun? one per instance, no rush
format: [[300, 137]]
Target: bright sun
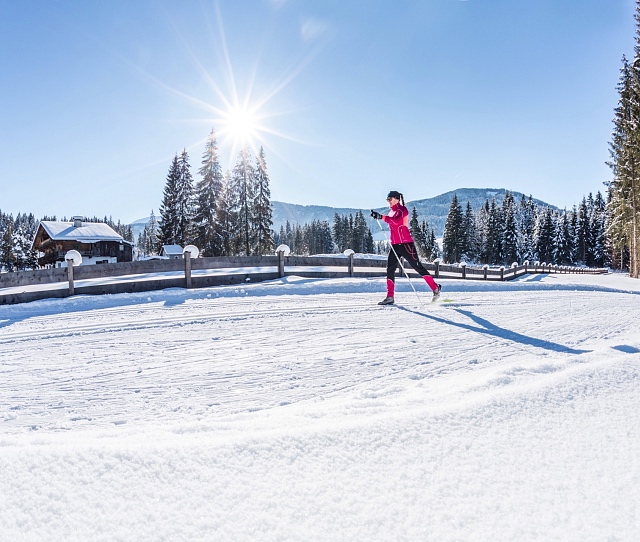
[[241, 124]]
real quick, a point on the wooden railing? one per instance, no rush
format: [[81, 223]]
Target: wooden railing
[[141, 276]]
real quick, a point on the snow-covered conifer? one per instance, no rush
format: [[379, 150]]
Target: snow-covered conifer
[[262, 212], [208, 192]]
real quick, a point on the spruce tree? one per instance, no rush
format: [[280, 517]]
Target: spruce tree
[[169, 216], [453, 238], [262, 215], [418, 234], [7, 252], [483, 235], [494, 234], [186, 203], [625, 153], [510, 233], [24, 231], [225, 221], [359, 233], [208, 192], [369, 244], [562, 240], [242, 196], [470, 235], [583, 233], [152, 248], [526, 223], [598, 229], [545, 233]]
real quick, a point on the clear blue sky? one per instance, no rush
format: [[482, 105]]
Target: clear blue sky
[[357, 97]]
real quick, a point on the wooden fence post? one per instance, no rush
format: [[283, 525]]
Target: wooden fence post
[[351, 264], [187, 268], [464, 270], [70, 275], [502, 272], [436, 272], [485, 268], [281, 264]]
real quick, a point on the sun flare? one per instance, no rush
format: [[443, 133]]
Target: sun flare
[[241, 124]]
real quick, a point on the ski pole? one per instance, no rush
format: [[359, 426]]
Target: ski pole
[[401, 265]]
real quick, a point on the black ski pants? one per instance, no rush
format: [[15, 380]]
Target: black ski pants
[[408, 252]]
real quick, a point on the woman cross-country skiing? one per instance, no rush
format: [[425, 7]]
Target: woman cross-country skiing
[[402, 246]]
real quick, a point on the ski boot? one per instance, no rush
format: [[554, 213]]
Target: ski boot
[[436, 293]]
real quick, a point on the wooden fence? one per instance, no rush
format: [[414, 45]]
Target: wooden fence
[[141, 276]]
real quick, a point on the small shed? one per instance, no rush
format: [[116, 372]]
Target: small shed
[[97, 242], [173, 252]]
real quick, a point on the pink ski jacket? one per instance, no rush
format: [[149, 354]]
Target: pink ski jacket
[[398, 220]]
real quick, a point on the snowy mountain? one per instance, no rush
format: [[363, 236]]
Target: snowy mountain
[[433, 210]]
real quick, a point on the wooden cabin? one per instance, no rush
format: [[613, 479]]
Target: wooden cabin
[[97, 243]]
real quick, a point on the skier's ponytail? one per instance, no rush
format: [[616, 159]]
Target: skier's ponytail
[[397, 195]]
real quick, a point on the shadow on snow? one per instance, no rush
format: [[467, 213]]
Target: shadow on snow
[[487, 328]]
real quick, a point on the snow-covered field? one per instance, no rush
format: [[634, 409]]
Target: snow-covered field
[[300, 410]]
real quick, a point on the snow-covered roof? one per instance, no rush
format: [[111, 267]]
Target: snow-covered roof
[[174, 250], [88, 232]]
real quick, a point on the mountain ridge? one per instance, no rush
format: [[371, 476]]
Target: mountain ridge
[[434, 210]]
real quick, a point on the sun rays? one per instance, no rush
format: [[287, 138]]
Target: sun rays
[[241, 115]]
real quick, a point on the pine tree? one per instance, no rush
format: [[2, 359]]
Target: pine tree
[[152, 246], [242, 196], [526, 224], [169, 216], [208, 192], [624, 204], [494, 234], [510, 232], [432, 245], [545, 232], [142, 243], [583, 233], [418, 234], [186, 204], [483, 234], [262, 210], [453, 239], [225, 221], [24, 232], [340, 232], [369, 244], [562, 241], [598, 229], [470, 253], [573, 229], [359, 233], [7, 254]]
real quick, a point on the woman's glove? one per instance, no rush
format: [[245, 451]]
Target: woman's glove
[[376, 214]]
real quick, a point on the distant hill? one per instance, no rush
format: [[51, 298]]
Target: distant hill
[[433, 210]]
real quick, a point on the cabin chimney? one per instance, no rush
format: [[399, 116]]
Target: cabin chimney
[[77, 221]]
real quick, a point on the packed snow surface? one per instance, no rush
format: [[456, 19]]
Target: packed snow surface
[[299, 409]]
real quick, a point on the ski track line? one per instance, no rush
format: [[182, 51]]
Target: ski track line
[[165, 321], [223, 368]]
